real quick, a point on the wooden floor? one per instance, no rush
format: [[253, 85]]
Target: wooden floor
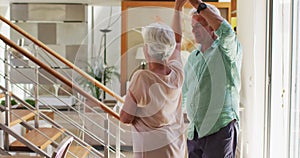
[[127, 153], [18, 156]]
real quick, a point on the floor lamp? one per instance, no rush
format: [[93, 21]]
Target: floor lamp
[[140, 56], [104, 31]]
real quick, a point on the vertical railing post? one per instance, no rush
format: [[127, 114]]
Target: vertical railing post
[[7, 96], [36, 90], [106, 137], [118, 142]]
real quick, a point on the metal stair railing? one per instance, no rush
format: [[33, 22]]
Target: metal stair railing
[[96, 138], [24, 140], [7, 129], [88, 133], [60, 77], [48, 119], [63, 78], [60, 58]]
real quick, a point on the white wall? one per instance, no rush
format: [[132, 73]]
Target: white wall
[[251, 25], [4, 2], [105, 16]]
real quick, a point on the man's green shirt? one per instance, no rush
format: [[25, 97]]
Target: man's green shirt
[[212, 84]]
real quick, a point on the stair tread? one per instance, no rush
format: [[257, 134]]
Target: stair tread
[[37, 138], [19, 156], [78, 151], [17, 115]]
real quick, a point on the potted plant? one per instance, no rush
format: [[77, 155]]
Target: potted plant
[[101, 72], [18, 106]]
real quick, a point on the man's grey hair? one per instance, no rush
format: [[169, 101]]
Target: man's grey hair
[[210, 6]]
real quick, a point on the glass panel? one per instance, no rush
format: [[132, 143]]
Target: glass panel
[[295, 88], [295, 113], [280, 80]]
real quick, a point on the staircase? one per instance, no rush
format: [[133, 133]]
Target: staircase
[[42, 137], [39, 137], [41, 133]]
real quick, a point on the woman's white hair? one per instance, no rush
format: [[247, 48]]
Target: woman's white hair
[[160, 40]]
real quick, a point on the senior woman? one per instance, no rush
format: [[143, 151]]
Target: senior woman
[[153, 100]]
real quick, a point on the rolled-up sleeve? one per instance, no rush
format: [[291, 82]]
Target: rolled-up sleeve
[[228, 41]]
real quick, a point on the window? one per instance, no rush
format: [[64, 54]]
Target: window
[[285, 71], [294, 151]]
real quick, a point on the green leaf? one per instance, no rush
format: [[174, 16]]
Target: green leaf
[[99, 71], [12, 102]]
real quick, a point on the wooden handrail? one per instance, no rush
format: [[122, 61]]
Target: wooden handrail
[[59, 76], [3, 94], [50, 120], [62, 59]]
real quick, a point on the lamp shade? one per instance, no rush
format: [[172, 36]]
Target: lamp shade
[[140, 53]]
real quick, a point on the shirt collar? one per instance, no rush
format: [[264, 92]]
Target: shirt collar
[[213, 45]]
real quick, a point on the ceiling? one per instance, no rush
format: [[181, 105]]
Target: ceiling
[[91, 2]]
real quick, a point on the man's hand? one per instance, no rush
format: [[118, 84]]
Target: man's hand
[[195, 3], [211, 17], [179, 4]]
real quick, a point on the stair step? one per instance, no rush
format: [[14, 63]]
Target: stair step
[[2, 95], [3, 152], [17, 115], [37, 138], [78, 151], [19, 156]]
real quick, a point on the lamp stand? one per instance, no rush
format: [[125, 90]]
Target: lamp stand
[[104, 31]]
